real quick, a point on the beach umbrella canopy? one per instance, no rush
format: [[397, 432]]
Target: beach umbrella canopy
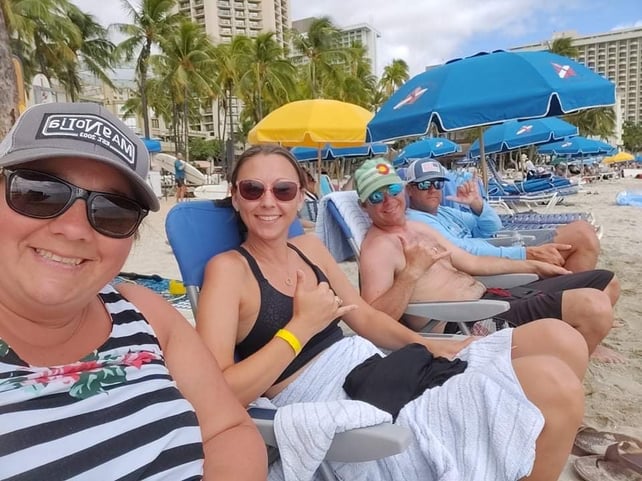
[[515, 134], [153, 145], [305, 154], [313, 123], [576, 146], [489, 88], [427, 147], [619, 157]]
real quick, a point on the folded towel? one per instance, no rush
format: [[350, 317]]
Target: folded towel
[[304, 432]]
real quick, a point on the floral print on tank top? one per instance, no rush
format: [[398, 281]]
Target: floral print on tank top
[[81, 379]]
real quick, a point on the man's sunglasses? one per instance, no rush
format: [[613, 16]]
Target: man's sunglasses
[[283, 190], [392, 190], [43, 196], [426, 184]]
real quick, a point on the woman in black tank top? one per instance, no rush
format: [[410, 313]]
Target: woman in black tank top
[[269, 311]]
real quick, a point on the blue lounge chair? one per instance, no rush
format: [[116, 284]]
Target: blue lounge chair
[[197, 231]]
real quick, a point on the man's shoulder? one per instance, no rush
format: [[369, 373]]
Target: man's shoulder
[[376, 237]]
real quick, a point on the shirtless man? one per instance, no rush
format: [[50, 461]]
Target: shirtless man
[[404, 261]]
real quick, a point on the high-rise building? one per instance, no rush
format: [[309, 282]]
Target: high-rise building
[[224, 19], [617, 55], [362, 33]]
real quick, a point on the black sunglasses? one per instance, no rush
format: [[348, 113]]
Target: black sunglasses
[[44, 196], [426, 184], [283, 190]]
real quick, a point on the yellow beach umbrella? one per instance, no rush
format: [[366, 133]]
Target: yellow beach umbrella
[[313, 123], [619, 157]]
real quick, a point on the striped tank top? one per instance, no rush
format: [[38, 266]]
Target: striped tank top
[[116, 414]]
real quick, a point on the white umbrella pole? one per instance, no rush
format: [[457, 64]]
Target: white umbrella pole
[[482, 157]]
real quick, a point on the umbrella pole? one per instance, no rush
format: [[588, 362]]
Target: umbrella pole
[[319, 166], [482, 156]]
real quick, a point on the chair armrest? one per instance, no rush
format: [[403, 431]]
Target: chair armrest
[[506, 281], [458, 310], [353, 446], [264, 420], [500, 241]]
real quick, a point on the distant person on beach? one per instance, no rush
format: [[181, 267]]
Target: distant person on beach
[[574, 246], [98, 381], [179, 177], [270, 309], [404, 261]]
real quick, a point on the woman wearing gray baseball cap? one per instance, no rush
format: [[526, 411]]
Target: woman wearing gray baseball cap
[[96, 381]]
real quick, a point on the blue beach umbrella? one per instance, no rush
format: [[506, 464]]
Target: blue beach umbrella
[[427, 147], [153, 145], [576, 146], [486, 89], [514, 134], [305, 154]]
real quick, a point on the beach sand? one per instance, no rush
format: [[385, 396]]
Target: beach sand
[[613, 391]]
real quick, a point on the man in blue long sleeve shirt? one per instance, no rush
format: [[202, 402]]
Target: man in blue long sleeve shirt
[[574, 246]]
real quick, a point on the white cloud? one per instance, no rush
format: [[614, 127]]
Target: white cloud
[[426, 32], [431, 31]]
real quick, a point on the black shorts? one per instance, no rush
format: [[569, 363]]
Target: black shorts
[[180, 182], [543, 298]]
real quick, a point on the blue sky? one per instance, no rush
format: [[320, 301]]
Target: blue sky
[[428, 32]]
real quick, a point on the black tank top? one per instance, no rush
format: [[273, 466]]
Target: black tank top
[[275, 312]]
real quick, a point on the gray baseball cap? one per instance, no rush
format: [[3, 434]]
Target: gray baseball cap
[[425, 169], [83, 131]]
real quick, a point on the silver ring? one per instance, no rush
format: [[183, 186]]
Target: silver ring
[[338, 300]]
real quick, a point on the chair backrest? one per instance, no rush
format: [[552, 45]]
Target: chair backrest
[[342, 224], [325, 185], [197, 231]]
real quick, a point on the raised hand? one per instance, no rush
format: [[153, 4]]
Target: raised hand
[[468, 194], [550, 253], [313, 309], [420, 255]]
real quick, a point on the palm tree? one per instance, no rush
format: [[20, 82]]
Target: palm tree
[[357, 82], [597, 122], [40, 34], [151, 22], [269, 79], [319, 47], [394, 76], [186, 63], [9, 91], [94, 52], [230, 67], [563, 46]]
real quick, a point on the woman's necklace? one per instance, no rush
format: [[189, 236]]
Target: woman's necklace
[[289, 281]]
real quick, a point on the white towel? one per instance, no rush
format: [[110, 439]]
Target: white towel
[[304, 432], [478, 425]]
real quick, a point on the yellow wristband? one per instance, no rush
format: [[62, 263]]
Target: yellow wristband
[[291, 339]]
